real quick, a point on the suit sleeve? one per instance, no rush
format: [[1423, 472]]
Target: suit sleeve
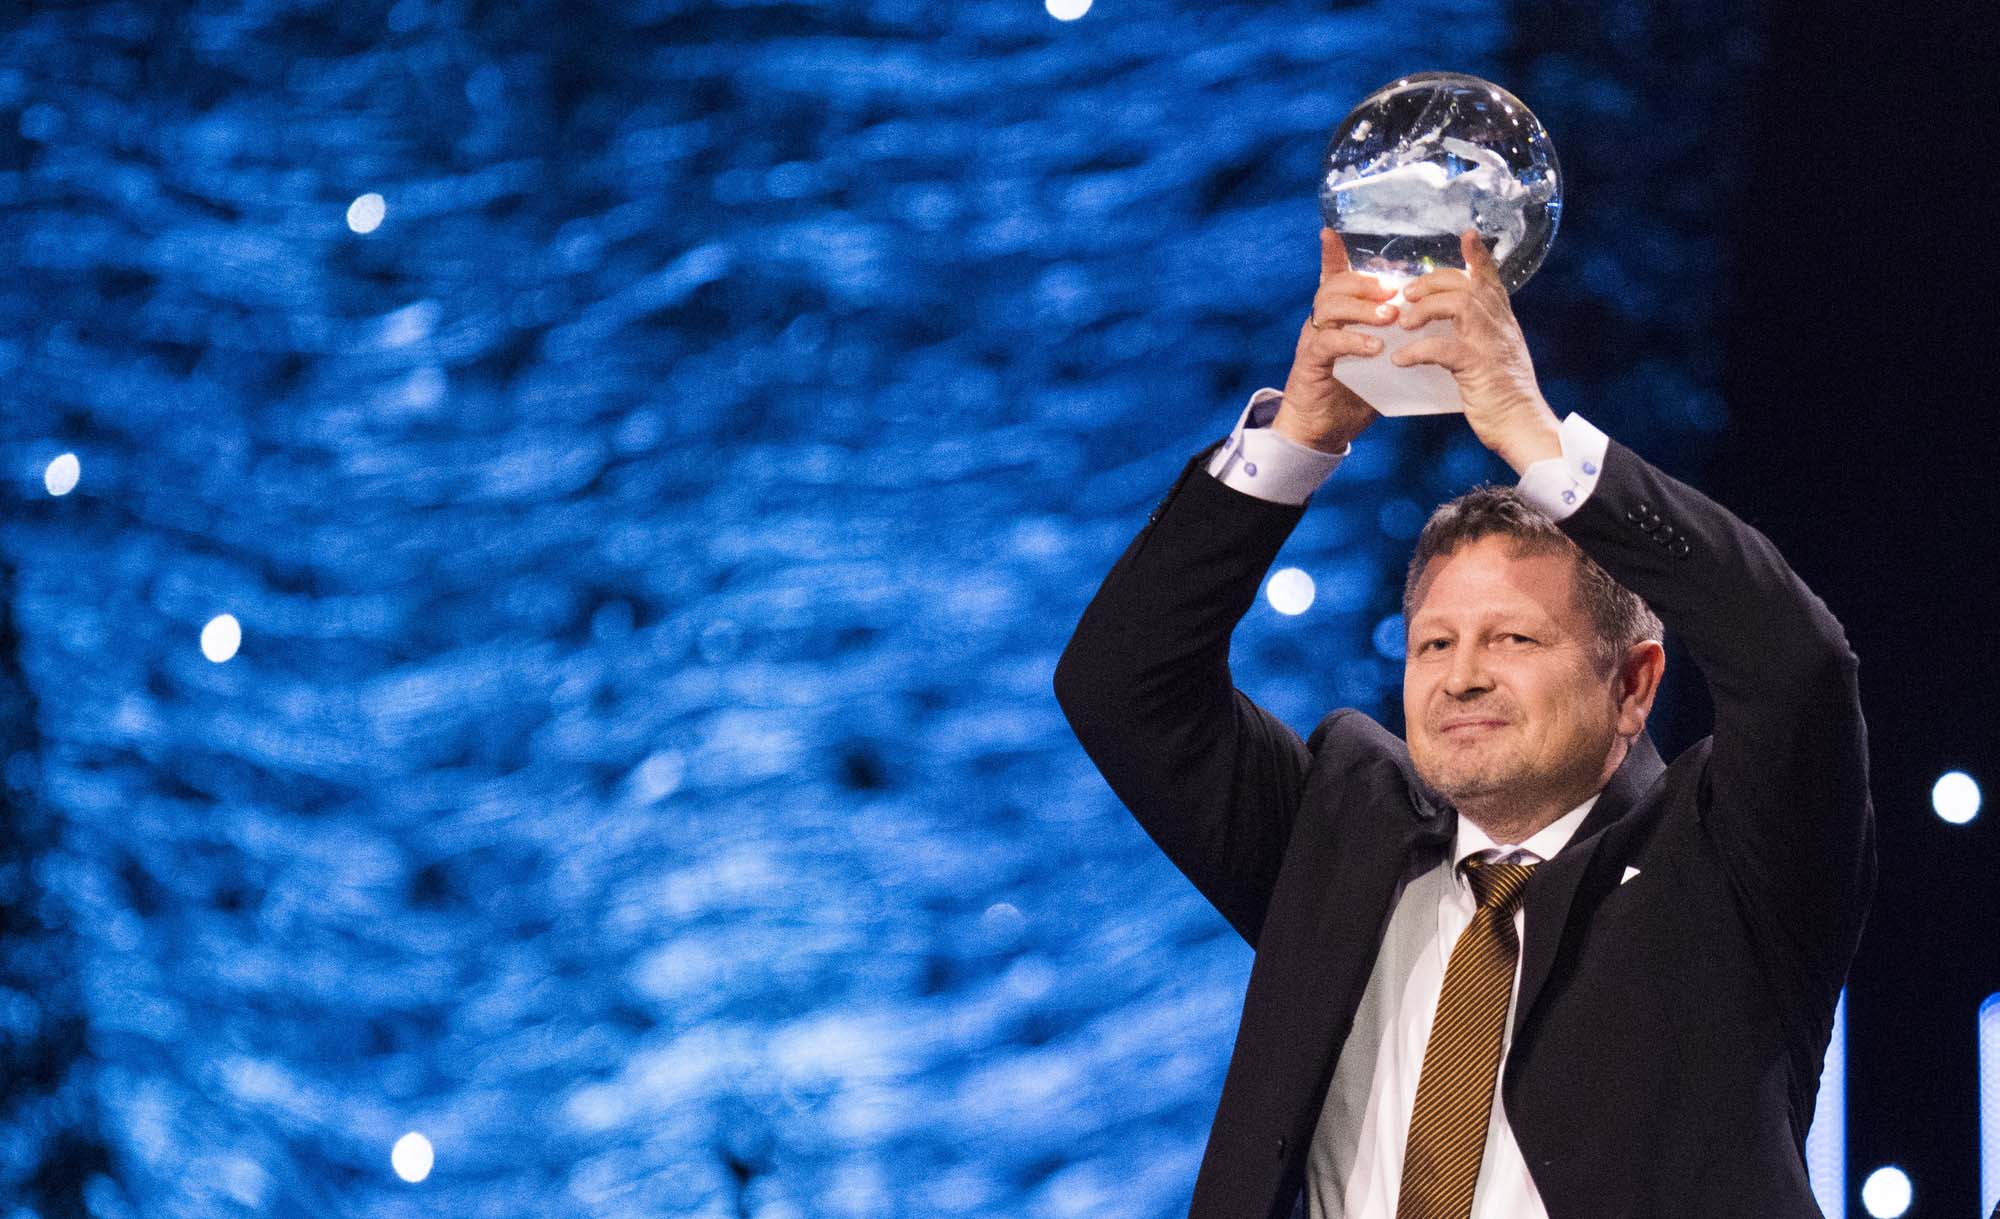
[[1786, 800], [1214, 779]]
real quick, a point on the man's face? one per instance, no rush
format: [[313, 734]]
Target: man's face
[[1502, 696]]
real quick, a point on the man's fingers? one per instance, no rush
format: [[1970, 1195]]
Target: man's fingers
[[1448, 353], [1444, 279], [1354, 283], [1448, 303], [1333, 308], [1332, 254], [1478, 259], [1330, 342]]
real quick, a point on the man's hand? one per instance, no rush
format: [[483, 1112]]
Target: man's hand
[[1487, 356], [1317, 410]]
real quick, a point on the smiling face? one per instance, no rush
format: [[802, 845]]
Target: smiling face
[[1508, 712]]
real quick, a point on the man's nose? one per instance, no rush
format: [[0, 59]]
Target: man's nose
[[1468, 675]]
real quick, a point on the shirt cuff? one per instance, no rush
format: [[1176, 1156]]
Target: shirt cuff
[[1258, 461], [1559, 485]]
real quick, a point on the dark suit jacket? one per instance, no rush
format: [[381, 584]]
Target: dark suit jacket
[[1669, 1031]]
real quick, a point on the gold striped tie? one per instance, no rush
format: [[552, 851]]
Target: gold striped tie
[[1455, 1091]]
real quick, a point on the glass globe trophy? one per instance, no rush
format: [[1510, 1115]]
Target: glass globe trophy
[[1419, 161]]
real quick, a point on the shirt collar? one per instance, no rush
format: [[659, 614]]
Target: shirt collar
[[1543, 844]]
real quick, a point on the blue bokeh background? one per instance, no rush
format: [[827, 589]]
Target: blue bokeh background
[[652, 545]]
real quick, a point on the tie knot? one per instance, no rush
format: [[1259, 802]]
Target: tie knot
[[1497, 885]]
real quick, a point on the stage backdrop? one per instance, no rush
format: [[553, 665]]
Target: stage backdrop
[[536, 537]]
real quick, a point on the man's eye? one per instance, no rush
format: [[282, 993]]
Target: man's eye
[[1433, 645], [1516, 638]]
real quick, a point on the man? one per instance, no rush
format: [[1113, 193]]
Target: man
[[1519, 967]]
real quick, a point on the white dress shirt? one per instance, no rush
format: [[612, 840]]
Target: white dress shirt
[[1258, 461], [1355, 1165]]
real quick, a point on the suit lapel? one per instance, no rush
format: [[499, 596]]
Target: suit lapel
[[1366, 871], [1554, 884], [1363, 876]]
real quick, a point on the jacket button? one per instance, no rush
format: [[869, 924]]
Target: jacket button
[[1284, 1145], [1679, 549], [1664, 535]]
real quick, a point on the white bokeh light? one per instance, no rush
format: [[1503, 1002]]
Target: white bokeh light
[[412, 1157], [1955, 797], [1066, 10], [1290, 591], [221, 637], [1886, 1192], [62, 475], [365, 214]]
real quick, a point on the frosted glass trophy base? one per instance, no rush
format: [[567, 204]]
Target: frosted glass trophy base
[[1421, 389]]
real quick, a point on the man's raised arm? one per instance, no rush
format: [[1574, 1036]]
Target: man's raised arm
[[1145, 681], [1786, 781]]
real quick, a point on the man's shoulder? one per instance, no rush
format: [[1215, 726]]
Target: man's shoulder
[[1361, 765], [1351, 730], [1350, 741]]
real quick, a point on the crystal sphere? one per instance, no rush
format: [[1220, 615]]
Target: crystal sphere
[[1427, 156]]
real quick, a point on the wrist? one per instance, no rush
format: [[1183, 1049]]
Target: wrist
[[1323, 436], [1537, 439]]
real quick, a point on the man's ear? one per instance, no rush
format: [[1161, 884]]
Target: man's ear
[[1638, 681]]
